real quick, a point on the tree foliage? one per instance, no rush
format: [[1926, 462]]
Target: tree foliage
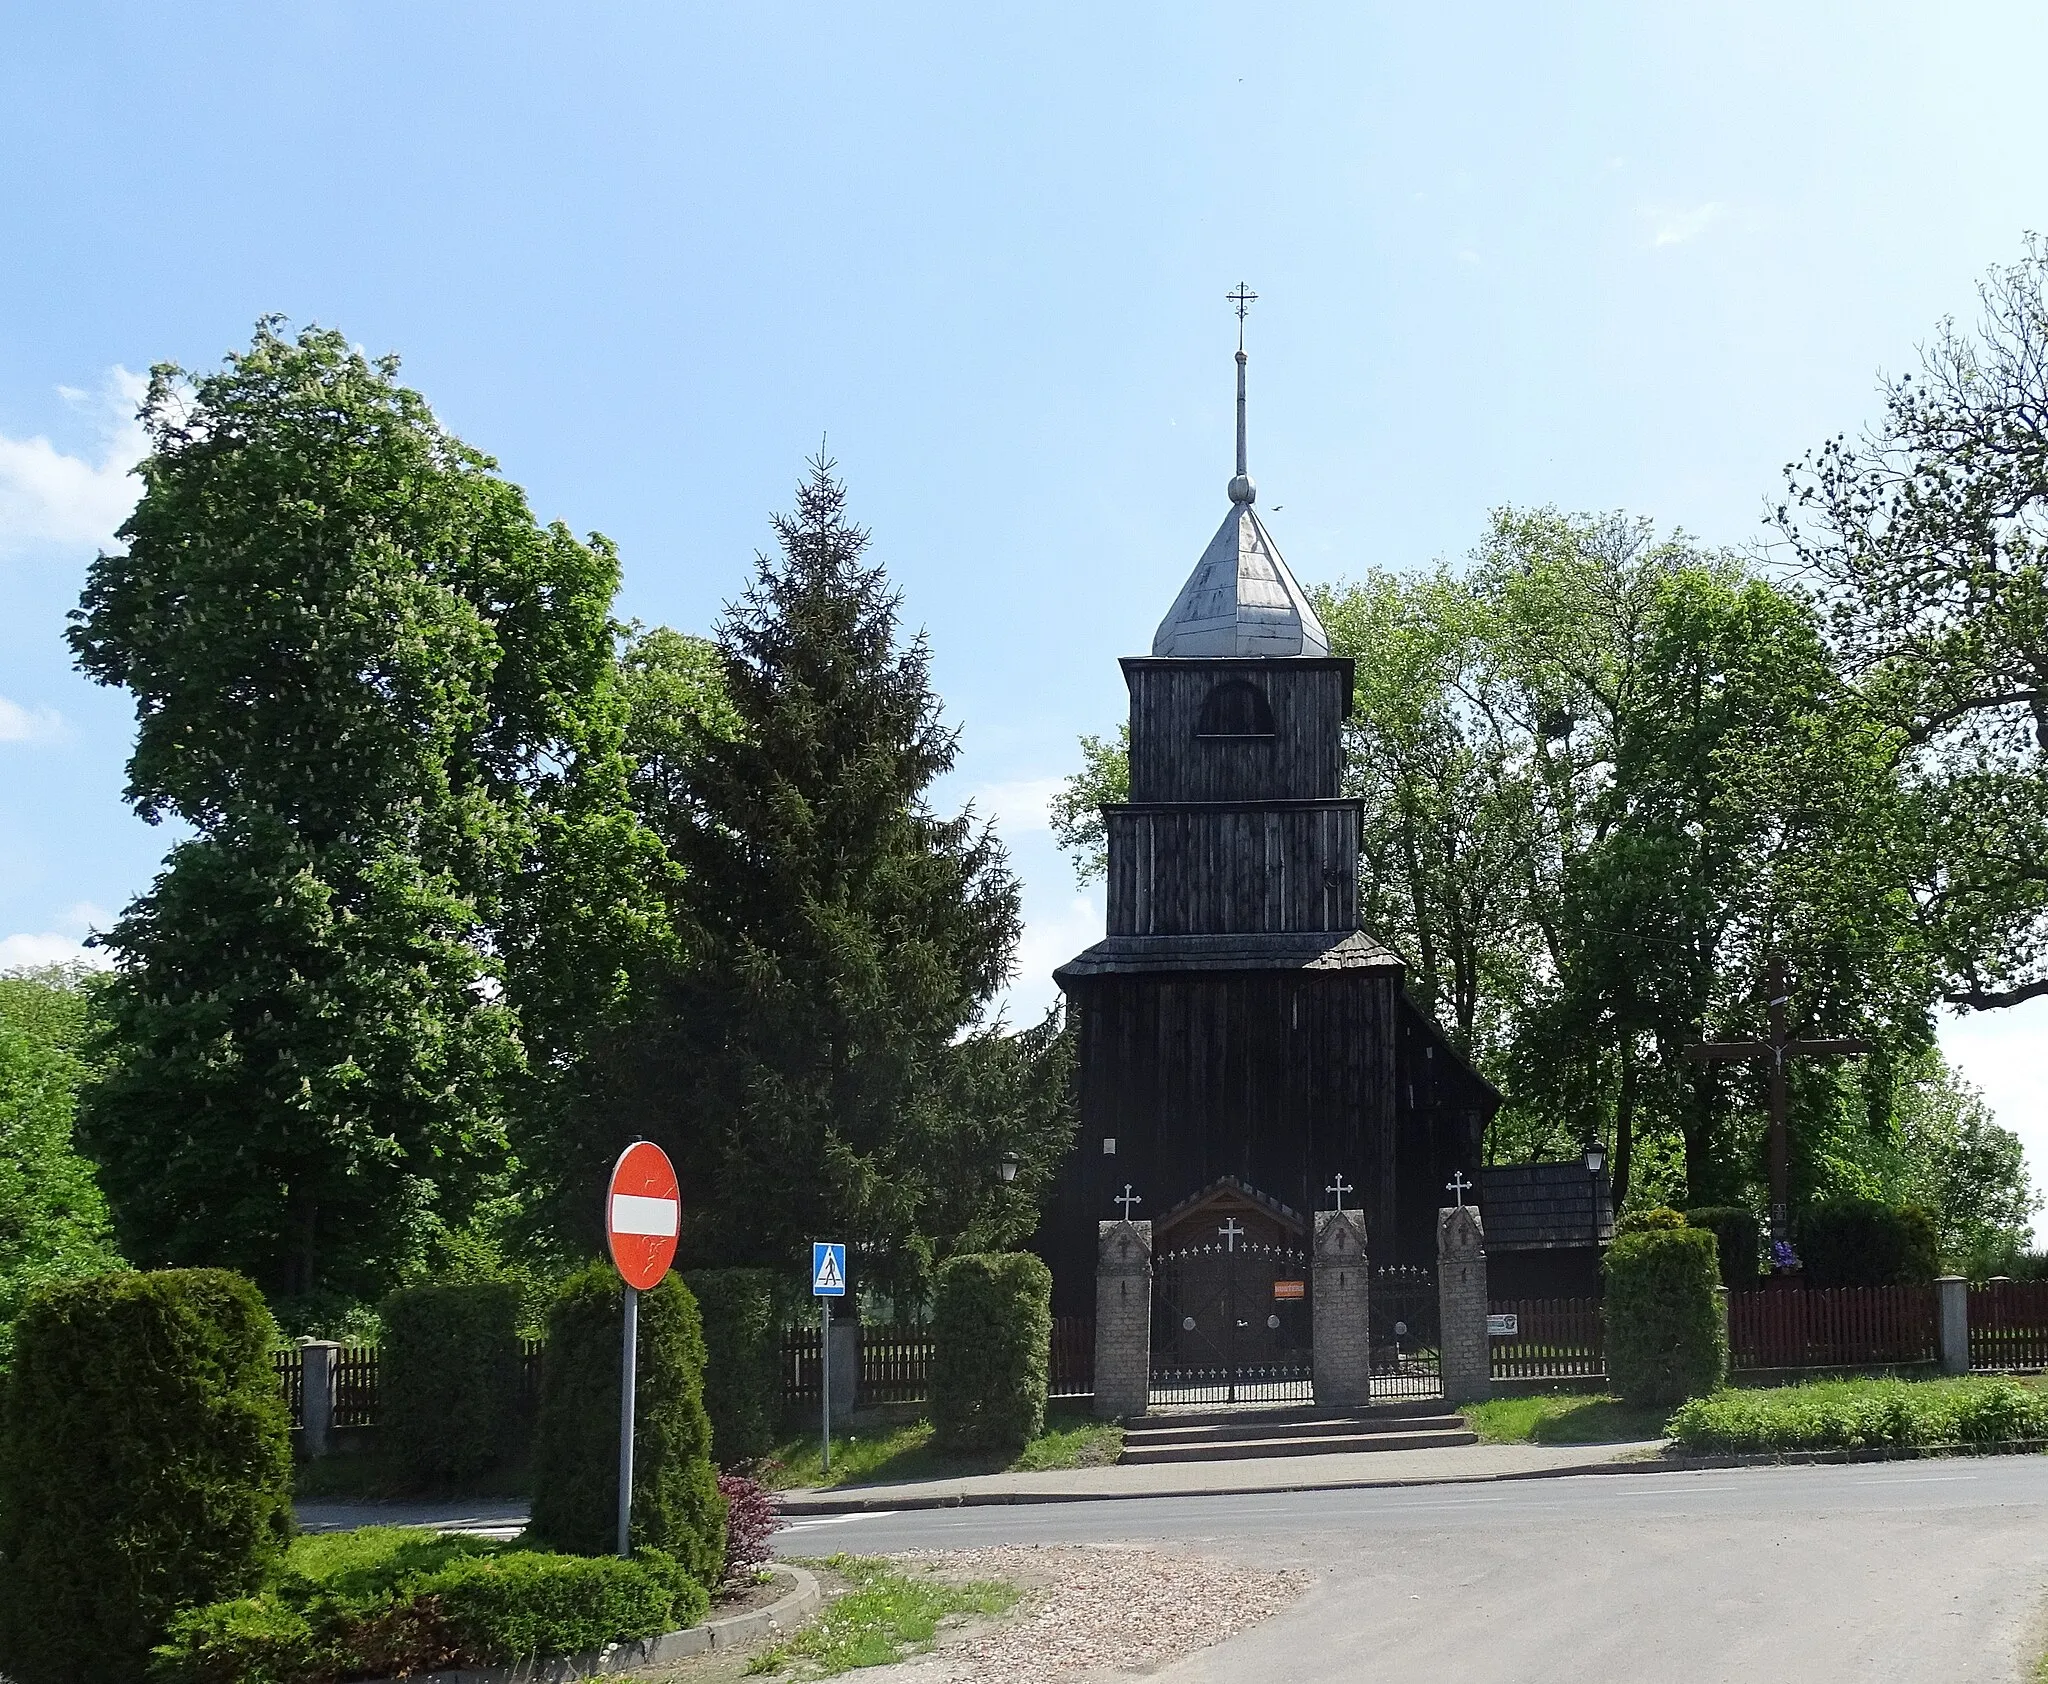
[[381, 694]]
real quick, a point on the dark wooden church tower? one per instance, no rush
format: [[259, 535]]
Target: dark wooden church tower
[[1241, 1040]]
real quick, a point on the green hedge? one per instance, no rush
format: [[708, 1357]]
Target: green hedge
[[385, 1602], [145, 1466], [676, 1505], [1865, 1242], [1863, 1414], [1738, 1237], [1666, 1340], [992, 1345], [741, 1310], [448, 1378]]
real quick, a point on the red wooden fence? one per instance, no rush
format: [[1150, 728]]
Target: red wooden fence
[[1554, 1339], [1832, 1327], [2009, 1325]]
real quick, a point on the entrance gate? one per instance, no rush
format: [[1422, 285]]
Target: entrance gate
[[1405, 1339], [1231, 1323]]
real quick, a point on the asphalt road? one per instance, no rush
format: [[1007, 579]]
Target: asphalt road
[[1934, 1572]]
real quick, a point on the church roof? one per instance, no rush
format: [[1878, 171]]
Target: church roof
[[1241, 599], [1545, 1207]]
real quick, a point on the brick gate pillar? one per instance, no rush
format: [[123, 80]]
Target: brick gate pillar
[[1342, 1325], [316, 1391], [1952, 1314], [1123, 1319], [1467, 1352]]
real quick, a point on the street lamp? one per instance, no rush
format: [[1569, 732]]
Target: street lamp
[[1596, 1161], [1007, 1169]]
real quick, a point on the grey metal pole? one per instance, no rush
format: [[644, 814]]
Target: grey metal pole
[[825, 1372], [628, 1380]]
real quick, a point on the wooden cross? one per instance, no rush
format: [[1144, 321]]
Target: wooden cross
[[1127, 1198], [1458, 1187], [1780, 1047], [1340, 1187], [1230, 1232]]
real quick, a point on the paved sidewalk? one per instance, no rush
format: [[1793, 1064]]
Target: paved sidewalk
[[1453, 1465]]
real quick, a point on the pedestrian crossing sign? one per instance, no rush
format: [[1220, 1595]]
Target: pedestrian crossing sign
[[828, 1269]]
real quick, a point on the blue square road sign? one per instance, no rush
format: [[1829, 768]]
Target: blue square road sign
[[828, 1269]]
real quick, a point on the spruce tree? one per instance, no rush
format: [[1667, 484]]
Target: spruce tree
[[842, 934]]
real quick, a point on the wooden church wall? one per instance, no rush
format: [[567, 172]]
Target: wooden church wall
[[1170, 761], [1178, 870], [1278, 1078]]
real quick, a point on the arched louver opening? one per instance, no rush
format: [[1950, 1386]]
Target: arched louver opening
[[1235, 709]]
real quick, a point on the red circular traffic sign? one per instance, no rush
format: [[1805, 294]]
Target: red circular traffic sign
[[643, 1210]]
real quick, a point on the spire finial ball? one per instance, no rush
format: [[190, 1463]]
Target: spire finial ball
[[1242, 490]]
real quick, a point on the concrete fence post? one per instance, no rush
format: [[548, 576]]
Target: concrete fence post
[[1952, 1321], [845, 1367], [317, 1358], [1123, 1319], [1341, 1322], [1466, 1351]]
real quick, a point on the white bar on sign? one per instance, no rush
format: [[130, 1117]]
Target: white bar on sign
[[632, 1214]]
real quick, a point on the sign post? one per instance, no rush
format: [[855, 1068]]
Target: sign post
[[643, 1211], [828, 1281]]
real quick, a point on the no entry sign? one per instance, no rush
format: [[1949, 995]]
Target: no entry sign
[[642, 1214]]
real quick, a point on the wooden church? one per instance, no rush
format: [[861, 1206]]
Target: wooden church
[[1242, 1041]]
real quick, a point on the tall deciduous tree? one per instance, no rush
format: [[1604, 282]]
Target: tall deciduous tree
[[1929, 534], [378, 691]]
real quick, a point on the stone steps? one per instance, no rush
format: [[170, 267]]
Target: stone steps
[[1224, 1436]]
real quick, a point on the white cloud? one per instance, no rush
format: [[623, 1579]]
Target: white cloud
[[48, 497], [28, 725], [1049, 941], [1675, 227], [17, 952], [1019, 805]]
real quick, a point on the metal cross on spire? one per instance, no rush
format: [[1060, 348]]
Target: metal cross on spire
[[1241, 487], [1340, 1187], [1127, 1198], [1778, 995], [1458, 1187]]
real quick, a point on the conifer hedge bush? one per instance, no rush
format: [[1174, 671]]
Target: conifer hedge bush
[[145, 1466], [1866, 1242], [1739, 1239], [448, 1378], [992, 1339], [676, 1504], [742, 1315], [1666, 1340]]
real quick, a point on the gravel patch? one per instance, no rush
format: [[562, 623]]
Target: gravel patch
[[1092, 1614]]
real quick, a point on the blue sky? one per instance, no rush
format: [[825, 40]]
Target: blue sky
[[1602, 256]]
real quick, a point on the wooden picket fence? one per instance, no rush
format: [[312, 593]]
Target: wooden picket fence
[[2009, 1326], [896, 1362], [1554, 1339], [1832, 1327], [355, 1383]]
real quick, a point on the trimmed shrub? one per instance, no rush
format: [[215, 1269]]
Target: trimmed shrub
[[448, 1378], [1657, 1219], [1863, 1414], [1739, 1238], [145, 1466], [676, 1505], [394, 1603], [1866, 1242], [1666, 1340], [742, 1360], [992, 1337]]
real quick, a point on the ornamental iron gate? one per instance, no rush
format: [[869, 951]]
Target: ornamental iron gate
[[1231, 1324], [1405, 1342]]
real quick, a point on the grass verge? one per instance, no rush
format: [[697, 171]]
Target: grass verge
[[1862, 1415], [1563, 1418], [1070, 1440], [886, 1615]]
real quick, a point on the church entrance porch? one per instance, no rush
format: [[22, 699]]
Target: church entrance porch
[[1231, 1321]]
